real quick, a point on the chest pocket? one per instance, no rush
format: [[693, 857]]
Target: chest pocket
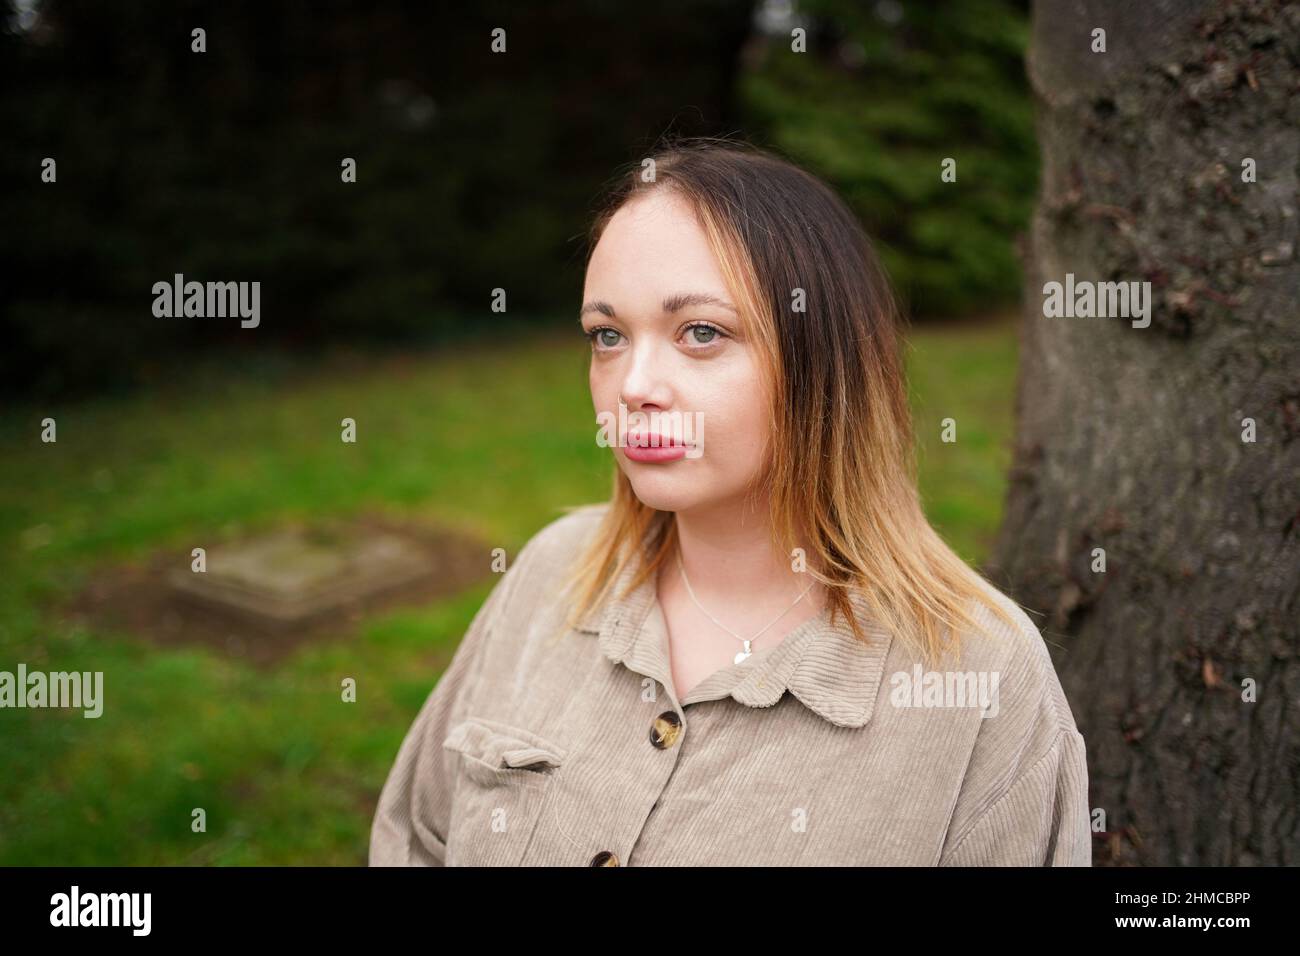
[[501, 783]]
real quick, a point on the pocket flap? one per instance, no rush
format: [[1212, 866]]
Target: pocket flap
[[501, 745], [529, 756]]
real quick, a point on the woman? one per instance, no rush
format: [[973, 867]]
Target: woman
[[758, 652]]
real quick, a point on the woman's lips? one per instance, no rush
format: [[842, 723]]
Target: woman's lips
[[653, 448]]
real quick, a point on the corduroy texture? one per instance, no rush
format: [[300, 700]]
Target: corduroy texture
[[535, 748]]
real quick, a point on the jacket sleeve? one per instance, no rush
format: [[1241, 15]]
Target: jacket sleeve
[[410, 825], [1041, 819]]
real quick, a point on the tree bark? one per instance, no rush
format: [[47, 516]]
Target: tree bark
[[1131, 439]]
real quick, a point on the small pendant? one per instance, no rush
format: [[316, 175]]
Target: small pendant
[[742, 655]]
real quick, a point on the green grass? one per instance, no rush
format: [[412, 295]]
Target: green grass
[[966, 373], [493, 440]]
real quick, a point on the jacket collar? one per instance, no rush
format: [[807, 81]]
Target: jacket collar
[[822, 664]]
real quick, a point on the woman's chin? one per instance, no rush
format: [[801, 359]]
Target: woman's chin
[[664, 492]]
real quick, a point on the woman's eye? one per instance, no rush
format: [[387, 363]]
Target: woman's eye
[[604, 337], [703, 334]]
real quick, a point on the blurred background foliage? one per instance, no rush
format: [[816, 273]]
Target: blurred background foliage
[[896, 88], [476, 170]]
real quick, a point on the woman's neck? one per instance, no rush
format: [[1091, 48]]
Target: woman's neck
[[735, 570]]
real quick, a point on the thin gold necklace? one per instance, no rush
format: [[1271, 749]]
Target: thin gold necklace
[[745, 653]]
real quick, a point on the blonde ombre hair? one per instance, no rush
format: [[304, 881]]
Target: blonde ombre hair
[[842, 467]]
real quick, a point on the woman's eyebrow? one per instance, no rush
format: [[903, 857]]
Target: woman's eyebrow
[[595, 305], [671, 304], [682, 299]]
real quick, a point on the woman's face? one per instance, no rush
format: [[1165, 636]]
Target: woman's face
[[665, 337]]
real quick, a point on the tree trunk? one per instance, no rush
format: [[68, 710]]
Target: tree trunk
[[1131, 440]]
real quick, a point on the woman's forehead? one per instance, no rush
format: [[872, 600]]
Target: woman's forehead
[[653, 248]]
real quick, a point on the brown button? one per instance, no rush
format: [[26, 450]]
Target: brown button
[[666, 729], [604, 858]]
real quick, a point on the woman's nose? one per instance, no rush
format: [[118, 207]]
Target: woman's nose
[[646, 383]]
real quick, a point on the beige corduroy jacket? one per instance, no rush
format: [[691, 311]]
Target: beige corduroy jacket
[[819, 750]]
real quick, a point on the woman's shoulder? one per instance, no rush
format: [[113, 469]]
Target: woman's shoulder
[[560, 541], [1028, 755], [1013, 648], [544, 561]]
